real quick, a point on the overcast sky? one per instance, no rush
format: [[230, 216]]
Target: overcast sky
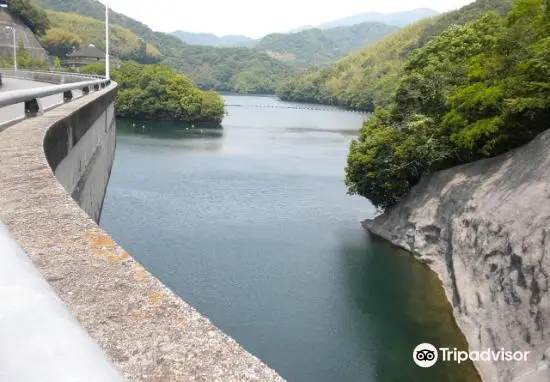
[[256, 18]]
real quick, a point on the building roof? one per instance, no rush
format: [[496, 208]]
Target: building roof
[[89, 51]]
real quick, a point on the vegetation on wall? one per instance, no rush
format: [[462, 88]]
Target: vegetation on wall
[[473, 92], [368, 79], [24, 60], [155, 92]]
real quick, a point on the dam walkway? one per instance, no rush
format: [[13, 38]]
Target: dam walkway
[[74, 305]]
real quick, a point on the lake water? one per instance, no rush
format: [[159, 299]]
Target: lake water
[[251, 225]]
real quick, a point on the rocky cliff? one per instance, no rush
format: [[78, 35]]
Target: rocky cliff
[[485, 229]]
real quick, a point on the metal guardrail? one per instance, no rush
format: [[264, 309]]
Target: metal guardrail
[[74, 74], [24, 73], [30, 98]]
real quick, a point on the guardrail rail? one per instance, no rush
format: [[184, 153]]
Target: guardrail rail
[[30, 98]]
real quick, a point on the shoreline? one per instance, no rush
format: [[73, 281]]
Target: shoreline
[[366, 224]]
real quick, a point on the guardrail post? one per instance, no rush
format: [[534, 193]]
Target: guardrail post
[[33, 108], [67, 96]]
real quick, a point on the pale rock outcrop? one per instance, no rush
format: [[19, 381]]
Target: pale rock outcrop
[[484, 228]]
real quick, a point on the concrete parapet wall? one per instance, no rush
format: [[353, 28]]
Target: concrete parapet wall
[[148, 332], [81, 148]]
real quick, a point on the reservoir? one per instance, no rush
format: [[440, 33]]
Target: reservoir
[[251, 224]]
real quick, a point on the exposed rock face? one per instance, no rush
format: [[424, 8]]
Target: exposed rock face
[[485, 229]]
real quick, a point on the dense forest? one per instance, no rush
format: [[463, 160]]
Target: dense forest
[[155, 92], [240, 70], [368, 79], [322, 47], [474, 91]]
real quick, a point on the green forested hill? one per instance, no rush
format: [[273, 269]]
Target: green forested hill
[[240, 70], [124, 43], [96, 10], [227, 69], [368, 78], [322, 47], [474, 91]]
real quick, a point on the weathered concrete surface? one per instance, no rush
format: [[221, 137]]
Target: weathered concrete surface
[[148, 332], [485, 229], [40, 340], [81, 149]]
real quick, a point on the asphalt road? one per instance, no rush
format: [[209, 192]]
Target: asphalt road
[[9, 113]]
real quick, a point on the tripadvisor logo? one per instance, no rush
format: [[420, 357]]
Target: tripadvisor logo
[[426, 355]]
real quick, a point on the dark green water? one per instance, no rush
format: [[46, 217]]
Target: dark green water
[[251, 224]]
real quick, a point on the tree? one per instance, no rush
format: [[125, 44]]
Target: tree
[[32, 16], [23, 58], [474, 91], [59, 42], [156, 92]]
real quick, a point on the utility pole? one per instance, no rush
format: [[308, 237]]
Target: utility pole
[[107, 68]]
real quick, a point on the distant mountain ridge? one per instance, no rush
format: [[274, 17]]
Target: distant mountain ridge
[[322, 47], [300, 49], [209, 39], [397, 19]]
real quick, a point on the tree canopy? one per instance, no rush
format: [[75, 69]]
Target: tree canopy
[[473, 92], [155, 92], [59, 41]]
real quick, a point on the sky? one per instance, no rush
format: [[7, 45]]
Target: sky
[[256, 18]]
